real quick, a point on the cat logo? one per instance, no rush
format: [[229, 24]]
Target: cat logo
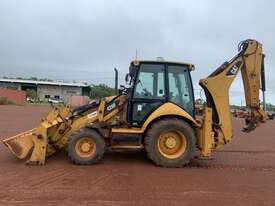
[[111, 107], [234, 69]]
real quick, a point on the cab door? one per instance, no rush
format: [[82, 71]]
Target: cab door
[[180, 87], [148, 92]]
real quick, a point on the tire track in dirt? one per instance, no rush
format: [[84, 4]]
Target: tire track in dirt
[[238, 161], [246, 152], [34, 180], [48, 179], [234, 168], [54, 184]]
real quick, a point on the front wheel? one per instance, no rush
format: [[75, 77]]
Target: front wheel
[[86, 147], [170, 142]]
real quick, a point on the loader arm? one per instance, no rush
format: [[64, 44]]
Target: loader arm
[[217, 129], [54, 131]]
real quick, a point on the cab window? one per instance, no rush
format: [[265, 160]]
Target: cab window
[[180, 87], [150, 82]]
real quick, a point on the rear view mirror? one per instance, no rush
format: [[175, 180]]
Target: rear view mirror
[[127, 78]]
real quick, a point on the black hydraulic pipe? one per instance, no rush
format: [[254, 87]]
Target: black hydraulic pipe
[[263, 75], [263, 87], [116, 80]]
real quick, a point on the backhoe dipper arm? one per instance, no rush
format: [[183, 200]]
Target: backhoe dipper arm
[[216, 87]]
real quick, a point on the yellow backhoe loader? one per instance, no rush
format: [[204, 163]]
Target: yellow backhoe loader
[[155, 112]]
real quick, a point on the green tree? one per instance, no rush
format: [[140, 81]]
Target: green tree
[[31, 94], [270, 107], [29, 78], [32, 78], [101, 90]]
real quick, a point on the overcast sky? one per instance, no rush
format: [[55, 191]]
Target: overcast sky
[[84, 40]]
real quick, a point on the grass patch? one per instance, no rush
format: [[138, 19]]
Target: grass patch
[[5, 101]]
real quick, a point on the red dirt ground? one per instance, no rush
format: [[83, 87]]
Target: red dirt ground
[[242, 173]]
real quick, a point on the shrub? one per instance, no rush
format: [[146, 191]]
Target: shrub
[[5, 101]]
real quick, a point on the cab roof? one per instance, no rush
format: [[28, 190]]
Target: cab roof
[[137, 62]]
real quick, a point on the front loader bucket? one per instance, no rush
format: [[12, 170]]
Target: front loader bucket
[[35, 142], [21, 144]]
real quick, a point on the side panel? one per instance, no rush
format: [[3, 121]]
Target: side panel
[[167, 109]]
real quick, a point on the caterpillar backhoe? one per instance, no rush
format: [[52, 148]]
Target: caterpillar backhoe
[[155, 112]]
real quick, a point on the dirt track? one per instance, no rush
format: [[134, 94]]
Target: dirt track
[[242, 173]]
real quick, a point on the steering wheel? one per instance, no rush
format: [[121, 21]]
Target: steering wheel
[[146, 93]]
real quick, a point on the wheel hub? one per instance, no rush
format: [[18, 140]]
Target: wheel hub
[[170, 142], [85, 147]]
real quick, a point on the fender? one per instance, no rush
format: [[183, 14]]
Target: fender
[[168, 109]]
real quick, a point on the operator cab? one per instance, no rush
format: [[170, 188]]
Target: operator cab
[[153, 83]]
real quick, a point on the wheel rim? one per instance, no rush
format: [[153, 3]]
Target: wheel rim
[[172, 144], [85, 147]]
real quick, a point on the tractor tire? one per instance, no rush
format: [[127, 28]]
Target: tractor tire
[[86, 147], [170, 142]]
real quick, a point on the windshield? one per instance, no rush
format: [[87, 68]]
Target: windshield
[[150, 82]]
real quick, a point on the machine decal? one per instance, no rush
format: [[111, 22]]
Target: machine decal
[[111, 107], [234, 69], [93, 114], [139, 108]]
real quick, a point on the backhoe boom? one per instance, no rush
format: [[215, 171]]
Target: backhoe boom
[[216, 86]]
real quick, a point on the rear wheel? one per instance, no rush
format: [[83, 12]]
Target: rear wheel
[[86, 147], [170, 142]]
